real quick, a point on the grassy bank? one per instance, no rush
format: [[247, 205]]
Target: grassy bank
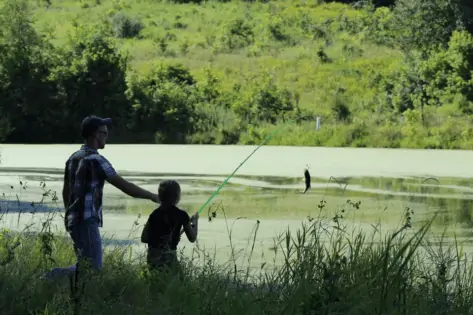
[[324, 270]]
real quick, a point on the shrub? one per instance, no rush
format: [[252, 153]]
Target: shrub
[[164, 103], [125, 26]]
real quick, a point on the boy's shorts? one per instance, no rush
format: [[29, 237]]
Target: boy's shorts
[[158, 258]]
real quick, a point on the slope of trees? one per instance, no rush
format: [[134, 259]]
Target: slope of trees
[[381, 74]]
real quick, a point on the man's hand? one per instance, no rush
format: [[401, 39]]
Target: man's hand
[[155, 198]]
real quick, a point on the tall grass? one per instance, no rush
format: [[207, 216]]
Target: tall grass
[[325, 269]]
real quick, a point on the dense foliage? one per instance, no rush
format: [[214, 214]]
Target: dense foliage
[[379, 73], [323, 267]]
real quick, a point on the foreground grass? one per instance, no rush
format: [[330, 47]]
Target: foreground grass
[[325, 270]]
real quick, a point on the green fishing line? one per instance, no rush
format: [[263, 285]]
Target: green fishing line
[[241, 164]]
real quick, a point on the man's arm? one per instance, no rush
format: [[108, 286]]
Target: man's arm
[[65, 187], [131, 189], [125, 186]]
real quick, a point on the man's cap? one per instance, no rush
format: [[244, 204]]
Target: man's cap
[[90, 124]]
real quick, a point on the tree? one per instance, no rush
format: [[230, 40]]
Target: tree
[[25, 89], [164, 104], [426, 24], [91, 79]]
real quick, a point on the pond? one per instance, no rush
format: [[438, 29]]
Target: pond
[[267, 189]]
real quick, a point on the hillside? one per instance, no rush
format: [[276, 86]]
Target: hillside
[[232, 73]]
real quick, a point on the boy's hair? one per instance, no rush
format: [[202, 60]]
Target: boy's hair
[[169, 192]]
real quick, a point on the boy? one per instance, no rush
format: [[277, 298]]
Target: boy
[[162, 231]]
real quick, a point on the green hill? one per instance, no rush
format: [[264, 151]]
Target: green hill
[[233, 72]]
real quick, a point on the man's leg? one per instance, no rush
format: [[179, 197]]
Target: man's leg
[[88, 244], [70, 271], [88, 248], [58, 272]]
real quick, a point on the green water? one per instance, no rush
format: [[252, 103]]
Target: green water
[[268, 189]]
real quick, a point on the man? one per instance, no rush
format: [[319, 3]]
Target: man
[[84, 176]]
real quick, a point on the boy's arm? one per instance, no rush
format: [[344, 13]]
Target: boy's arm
[[191, 232], [183, 229], [191, 228], [144, 234]]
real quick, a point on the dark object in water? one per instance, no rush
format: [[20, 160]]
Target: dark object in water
[[307, 179]]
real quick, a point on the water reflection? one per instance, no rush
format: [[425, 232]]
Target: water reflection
[[451, 198]]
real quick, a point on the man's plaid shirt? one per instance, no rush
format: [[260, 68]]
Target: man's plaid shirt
[[85, 174]]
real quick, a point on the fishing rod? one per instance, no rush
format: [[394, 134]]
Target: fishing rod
[[236, 169]]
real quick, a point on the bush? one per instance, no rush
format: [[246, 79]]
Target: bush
[[164, 103], [91, 79], [427, 24], [126, 27], [264, 101], [236, 33]]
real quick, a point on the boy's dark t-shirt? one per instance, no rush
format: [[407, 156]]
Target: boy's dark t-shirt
[[164, 231]]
